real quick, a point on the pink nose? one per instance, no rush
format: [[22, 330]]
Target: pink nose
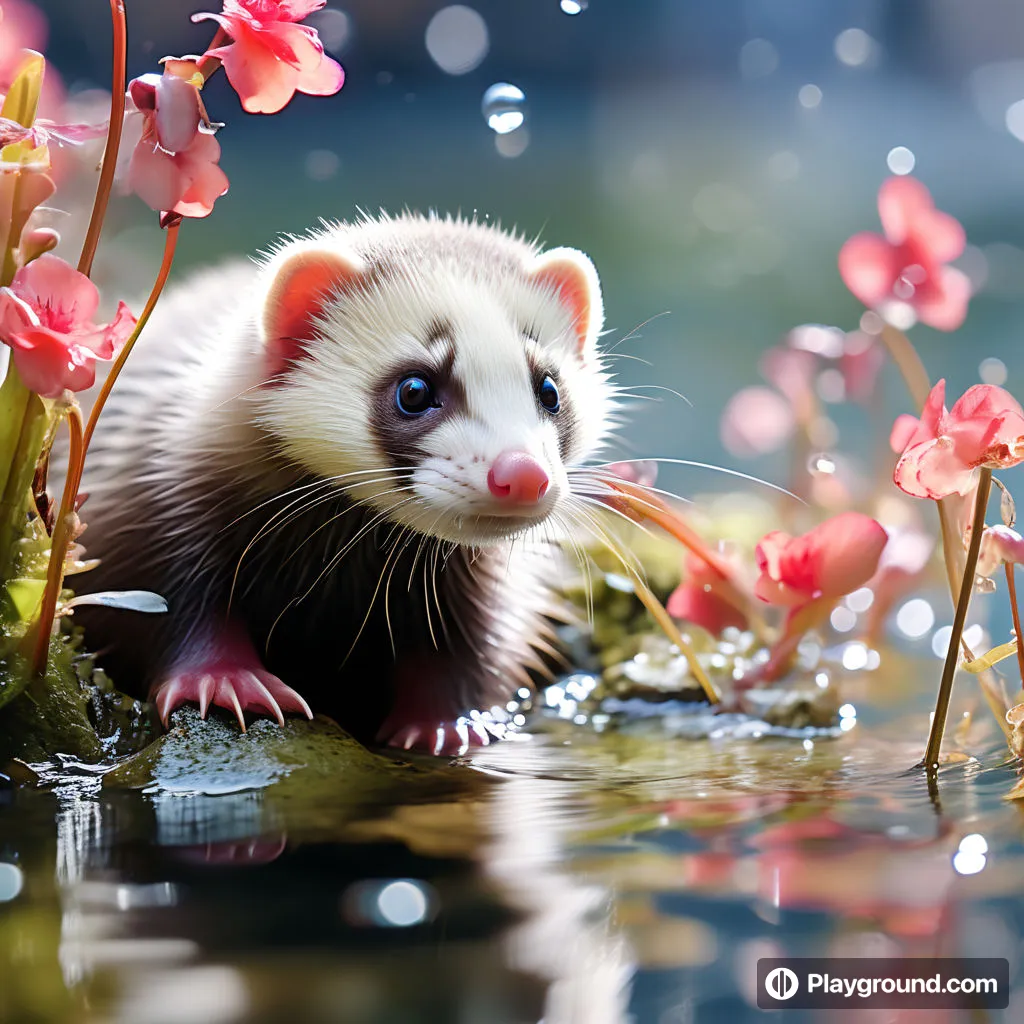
[[518, 477]]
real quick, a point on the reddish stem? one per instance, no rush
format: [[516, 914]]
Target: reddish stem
[[63, 531], [931, 757], [109, 166], [1011, 587], [170, 244]]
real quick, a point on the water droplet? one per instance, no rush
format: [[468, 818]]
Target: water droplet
[[854, 47], [900, 160], [1007, 508], [457, 39], [915, 618], [984, 585], [784, 165], [758, 58], [992, 371], [809, 96], [512, 144], [574, 6], [821, 464], [843, 619], [322, 164], [1015, 119], [504, 107]]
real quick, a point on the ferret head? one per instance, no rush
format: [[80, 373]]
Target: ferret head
[[442, 371]]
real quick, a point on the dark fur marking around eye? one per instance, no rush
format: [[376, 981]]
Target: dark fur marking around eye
[[400, 437], [567, 420]]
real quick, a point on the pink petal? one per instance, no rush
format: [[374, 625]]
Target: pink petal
[[50, 283], [264, 83], [207, 181], [848, 549], [706, 609], [106, 341], [948, 309], [319, 75], [902, 201], [867, 267], [999, 545], [15, 314], [902, 431], [154, 176], [756, 420], [47, 364], [932, 470], [177, 113]]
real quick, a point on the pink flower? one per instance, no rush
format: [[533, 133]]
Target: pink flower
[[46, 317], [270, 57], [999, 545], [833, 559], [908, 265], [174, 165], [756, 420], [695, 600], [943, 449]]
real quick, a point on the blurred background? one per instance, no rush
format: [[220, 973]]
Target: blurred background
[[711, 157]]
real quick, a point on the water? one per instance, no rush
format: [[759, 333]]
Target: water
[[571, 876]]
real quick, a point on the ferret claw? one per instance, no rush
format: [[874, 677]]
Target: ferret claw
[[228, 686]]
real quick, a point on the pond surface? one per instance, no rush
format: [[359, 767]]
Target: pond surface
[[564, 876]]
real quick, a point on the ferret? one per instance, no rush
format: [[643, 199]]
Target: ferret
[[345, 468]]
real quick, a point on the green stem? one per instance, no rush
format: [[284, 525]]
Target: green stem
[[23, 419], [931, 757], [63, 532]]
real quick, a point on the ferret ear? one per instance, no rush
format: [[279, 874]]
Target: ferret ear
[[301, 284], [573, 277]]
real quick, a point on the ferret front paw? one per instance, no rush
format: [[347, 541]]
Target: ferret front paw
[[442, 739], [230, 686]]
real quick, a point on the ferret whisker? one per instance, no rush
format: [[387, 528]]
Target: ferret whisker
[[728, 472], [655, 387], [591, 502], [634, 333], [335, 518], [376, 591], [608, 479]]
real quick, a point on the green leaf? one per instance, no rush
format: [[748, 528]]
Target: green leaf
[[25, 595], [997, 654]]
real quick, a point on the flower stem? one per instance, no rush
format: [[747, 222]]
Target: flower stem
[[1011, 588], [63, 531], [931, 756], [170, 243], [109, 165]]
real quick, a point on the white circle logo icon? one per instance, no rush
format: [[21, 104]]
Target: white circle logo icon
[[782, 983]]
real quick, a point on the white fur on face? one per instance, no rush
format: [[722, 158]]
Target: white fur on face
[[324, 414]]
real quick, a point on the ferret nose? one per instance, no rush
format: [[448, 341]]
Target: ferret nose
[[518, 477]]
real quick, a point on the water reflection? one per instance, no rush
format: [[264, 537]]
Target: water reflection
[[569, 877]]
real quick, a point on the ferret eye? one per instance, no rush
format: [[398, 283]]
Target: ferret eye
[[548, 395], [414, 396]]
